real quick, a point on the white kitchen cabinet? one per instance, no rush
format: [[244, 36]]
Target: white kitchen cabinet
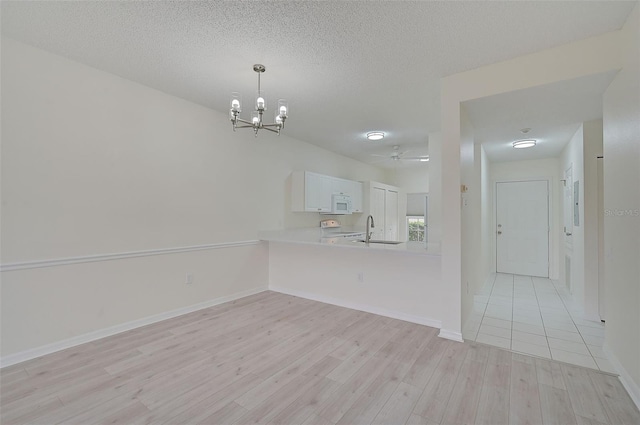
[[381, 201], [311, 192], [351, 188], [356, 196], [341, 186], [317, 189]]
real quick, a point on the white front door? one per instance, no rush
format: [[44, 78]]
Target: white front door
[[522, 228]]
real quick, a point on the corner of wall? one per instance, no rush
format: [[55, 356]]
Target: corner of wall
[[621, 125]]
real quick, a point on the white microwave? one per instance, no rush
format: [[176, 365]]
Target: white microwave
[[340, 204]]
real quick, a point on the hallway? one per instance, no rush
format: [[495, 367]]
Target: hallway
[[536, 316]]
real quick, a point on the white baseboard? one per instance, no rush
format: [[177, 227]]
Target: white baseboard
[[595, 317], [452, 335], [421, 320], [632, 387], [102, 333]]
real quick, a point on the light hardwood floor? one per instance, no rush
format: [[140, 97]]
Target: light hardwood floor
[[277, 359]]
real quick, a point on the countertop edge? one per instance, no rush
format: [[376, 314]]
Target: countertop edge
[[347, 244]]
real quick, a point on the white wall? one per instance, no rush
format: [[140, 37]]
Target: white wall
[[487, 228], [397, 284], [61, 305], [573, 246], [621, 118], [414, 179], [471, 219], [434, 213], [93, 164], [582, 246], [533, 170], [592, 148]]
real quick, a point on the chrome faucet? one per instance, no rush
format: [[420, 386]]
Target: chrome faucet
[[368, 235]]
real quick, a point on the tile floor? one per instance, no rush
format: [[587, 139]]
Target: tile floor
[[536, 316]]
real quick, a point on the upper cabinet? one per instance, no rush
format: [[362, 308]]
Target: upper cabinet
[[317, 192], [311, 192], [351, 188], [340, 186], [356, 196]]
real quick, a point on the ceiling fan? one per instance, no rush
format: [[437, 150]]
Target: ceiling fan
[[397, 155]]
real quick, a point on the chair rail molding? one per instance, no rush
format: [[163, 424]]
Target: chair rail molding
[[36, 264]]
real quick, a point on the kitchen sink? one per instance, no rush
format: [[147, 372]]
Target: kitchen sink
[[379, 241]]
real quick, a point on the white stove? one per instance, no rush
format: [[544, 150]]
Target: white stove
[[331, 232]]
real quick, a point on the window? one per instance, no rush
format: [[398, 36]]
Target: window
[[416, 229], [417, 218]]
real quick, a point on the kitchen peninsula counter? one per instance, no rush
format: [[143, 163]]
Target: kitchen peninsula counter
[[399, 281]]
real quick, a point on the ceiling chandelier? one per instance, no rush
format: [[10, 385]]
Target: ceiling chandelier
[[256, 122]]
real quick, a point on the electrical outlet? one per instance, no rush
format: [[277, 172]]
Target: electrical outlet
[[361, 277], [189, 279]]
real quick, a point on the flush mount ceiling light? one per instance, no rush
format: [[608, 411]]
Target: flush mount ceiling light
[[256, 122], [375, 135], [521, 144], [424, 159]]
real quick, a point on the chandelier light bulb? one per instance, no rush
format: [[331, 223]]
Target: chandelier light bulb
[[282, 111], [260, 102], [236, 102]]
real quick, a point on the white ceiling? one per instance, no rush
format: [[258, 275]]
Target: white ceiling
[[553, 113], [345, 67]]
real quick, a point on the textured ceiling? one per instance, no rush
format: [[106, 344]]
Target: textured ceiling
[[345, 67]]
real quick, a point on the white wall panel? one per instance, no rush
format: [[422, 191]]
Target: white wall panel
[[397, 284], [622, 210], [93, 164]]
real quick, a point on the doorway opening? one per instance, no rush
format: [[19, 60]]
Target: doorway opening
[[522, 227]]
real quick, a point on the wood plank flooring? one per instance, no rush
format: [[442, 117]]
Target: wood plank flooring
[[276, 359]]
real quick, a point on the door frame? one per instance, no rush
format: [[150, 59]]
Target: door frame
[[550, 208], [567, 226], [602, 290]]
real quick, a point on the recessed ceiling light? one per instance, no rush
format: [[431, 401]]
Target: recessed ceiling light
[[375, 135], [521, 144], [425, 159]]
